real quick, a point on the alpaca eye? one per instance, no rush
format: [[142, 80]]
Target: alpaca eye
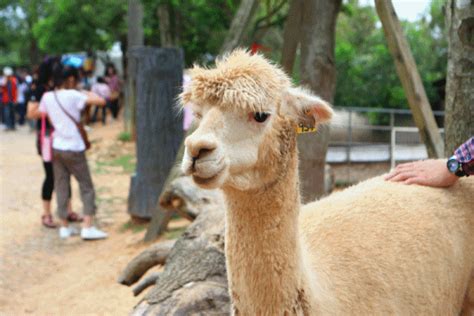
[[260, 116]]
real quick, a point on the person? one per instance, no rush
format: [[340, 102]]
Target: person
[[44, 134], [436, 172], [115, 84], [21, 104], [9, 97], [101, 89], [63, 107]]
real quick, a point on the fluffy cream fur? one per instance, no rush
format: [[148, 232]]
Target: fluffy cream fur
[[377, 248]]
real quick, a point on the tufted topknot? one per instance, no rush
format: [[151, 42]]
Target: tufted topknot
[[239, 81]]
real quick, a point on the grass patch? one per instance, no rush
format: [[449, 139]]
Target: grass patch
[[127, 162], [174, 233], [124, 136], [135, 228]]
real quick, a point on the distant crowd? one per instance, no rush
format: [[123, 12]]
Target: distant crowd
[[18, 87]]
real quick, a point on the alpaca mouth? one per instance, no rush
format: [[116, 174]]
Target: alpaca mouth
[[206, 180]]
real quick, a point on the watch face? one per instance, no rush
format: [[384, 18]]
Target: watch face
[[453, 165]]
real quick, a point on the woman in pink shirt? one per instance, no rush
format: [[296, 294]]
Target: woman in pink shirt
[[101, 89], [115, 85]]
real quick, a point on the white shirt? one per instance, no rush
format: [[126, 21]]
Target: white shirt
[[66, 134], [22, 87]]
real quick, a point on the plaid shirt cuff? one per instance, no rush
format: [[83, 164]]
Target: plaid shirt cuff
[[465, 152]]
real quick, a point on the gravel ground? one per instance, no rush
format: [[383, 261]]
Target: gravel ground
[[43, 275]]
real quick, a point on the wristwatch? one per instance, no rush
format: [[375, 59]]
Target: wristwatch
[[456, 167]]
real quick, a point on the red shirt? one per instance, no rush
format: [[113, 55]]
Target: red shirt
[[12, 95]]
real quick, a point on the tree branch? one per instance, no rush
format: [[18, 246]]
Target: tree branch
[[149, 258]]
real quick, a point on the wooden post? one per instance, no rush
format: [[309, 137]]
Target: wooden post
[[159, 127], [410, 78]]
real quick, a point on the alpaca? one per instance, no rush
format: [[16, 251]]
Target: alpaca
[[377, 248]]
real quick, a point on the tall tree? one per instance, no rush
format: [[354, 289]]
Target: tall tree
[[318, 28], [459, 120], [166, 37], [134, 38], [239, 23], [291, 35]]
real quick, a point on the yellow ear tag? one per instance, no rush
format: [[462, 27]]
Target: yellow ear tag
[[302, 129]]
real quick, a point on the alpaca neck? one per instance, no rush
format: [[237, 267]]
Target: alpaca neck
[[263, 248]]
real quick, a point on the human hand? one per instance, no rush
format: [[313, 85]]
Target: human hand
[[432, 173]]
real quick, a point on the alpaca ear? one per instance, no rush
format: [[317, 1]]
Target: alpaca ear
[[307, 109]]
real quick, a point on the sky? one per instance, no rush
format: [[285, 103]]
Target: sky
[[410, 10]]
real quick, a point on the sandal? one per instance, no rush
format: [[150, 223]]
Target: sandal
[[47, 221], [73, 217]]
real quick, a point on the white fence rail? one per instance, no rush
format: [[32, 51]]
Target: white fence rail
[[394, 138]]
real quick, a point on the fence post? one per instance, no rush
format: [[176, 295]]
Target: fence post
[[159, 130], [392, 141], [350, 146], [393, 134]]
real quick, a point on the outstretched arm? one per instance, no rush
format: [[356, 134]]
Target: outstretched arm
[[435, 173], [431, 173], [93, 98]]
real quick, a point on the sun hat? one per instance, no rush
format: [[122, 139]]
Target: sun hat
[[7, 71]]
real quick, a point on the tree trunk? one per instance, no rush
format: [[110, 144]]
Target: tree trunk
[[134, 39], [239, 23], [410, 79], [459, 119], [166, 37], [291, 35], [159, 129], [194, 279], [34, 51], [319, 73]]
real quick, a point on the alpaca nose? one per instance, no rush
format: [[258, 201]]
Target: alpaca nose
[[200, 148]]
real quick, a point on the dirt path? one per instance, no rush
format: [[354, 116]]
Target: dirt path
[[43, 275]]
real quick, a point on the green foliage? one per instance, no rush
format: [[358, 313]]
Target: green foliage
[[31, 28], [125, 136], [366, 74], [64, 26], [16, 19], [199, 26], [81, 25]]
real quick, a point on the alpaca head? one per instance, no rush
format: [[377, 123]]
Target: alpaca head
[[247, 112]]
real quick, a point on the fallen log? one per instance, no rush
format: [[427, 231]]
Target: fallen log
[[194, 279], [150, 257]]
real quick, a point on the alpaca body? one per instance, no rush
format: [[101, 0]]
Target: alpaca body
[[332, 260], [377, 248], [417, 259]]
